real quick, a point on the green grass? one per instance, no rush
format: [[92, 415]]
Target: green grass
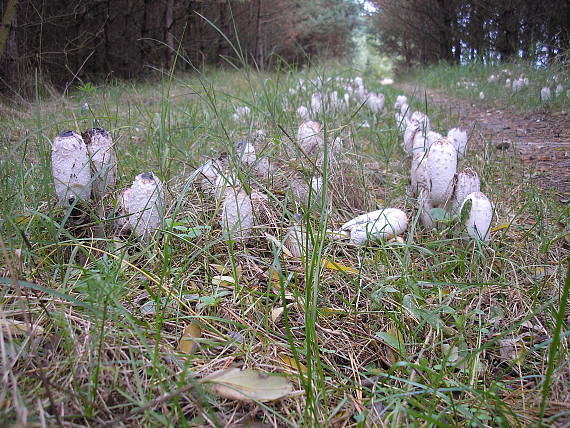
[[437, 330], [467, 81]]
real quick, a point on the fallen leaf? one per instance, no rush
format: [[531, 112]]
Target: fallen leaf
[[19, 327], [327, 264], [223, 280], [279, 245], [276, 313], [248, 385], [188, 342], [290, 363]]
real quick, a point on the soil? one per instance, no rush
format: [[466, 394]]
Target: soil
[[541, 138]]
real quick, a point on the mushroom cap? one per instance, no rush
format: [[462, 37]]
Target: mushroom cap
[[432, 137], [409, 134], [70, 168], [237, 214], [545, 94], [400, 101], [310, 136], [142, 204], [458, 138], [379, 224], [422, 120], [479, 220], [418, 173], [441, 168], [303, 112], [467, 182], [103, 160]]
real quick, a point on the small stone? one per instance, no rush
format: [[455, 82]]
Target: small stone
[[503, 145]]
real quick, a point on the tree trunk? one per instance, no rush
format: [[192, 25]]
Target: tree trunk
[[259, 57], [168, 36], [7, 23]]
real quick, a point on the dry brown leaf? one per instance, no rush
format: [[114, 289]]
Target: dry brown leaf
[[16, 327], [188, 342], [223, 281], [248, 385]]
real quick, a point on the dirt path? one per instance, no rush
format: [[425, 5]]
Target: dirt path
[[542, 139]]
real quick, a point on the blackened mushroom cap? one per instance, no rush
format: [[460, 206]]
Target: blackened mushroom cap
[[65, 134]]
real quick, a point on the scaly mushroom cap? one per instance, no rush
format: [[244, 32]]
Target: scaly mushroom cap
[[458, 138], [142, 206], [376, 102], [400, 101], [310, 136], [303, 112], [245, 152], [412, 129], [545, 94], [467, 182], [432, 137], [559, 89], [419, 175], [103, 161], [380, 224], [316, 103], [441, 168], [422, 120], [237, 214], [480, 216], [420, 143], [210, 172], [70, 168], [241, 113]]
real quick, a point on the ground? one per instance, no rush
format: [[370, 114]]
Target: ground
[[540, 138]]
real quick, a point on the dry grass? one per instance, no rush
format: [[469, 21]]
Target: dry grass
[[439, 330]]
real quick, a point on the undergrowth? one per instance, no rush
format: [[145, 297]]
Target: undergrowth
[[435, 330]]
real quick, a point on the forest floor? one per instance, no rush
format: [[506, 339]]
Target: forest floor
[[540, 138]]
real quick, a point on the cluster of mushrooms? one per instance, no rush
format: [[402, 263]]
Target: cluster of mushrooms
[[84, 169], [434, 177]]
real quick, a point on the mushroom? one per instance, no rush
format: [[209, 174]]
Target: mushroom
[[467, 181], [419, 176], [458, 138], [432, 137], [380, 224], [422, 120], [400, 101], [316, 103], [210, 172], [545, 94], [303, 112], [241, 113], [298, 240], [559, 89], [375, 102], [409, 135], [310, 136], [479, 217], [141, 206], [70, 168], [237, 213], [441, 167], [103, 161], [481, 95]]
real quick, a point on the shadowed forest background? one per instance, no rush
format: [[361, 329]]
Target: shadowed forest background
[[67, 42]]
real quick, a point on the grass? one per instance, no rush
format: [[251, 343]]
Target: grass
[[438, 330], [468, 81]]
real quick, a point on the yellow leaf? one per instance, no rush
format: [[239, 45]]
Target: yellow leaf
[[500, 227], [188, 342], [248, 385], [328, 264], [290, 363]]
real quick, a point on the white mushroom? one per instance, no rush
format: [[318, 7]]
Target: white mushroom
[[400, 101], [298, 240], [432, 137], [70, 168], [303, 112], [237, 214], [480, 216], [141, 206], [419, 176], [316, 103], [242, 113], [481, 95], [422, 120], [441, 167], [380, 224], [310, 136], [559, 89], [467, 182], [375, 102], [545, 94], [420, 143], [210, 172], [103, 161], [409, 134], [458, 138]]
